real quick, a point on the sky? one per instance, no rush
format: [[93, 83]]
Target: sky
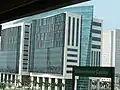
[[108, 11]]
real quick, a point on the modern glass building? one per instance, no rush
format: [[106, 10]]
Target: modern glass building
[[14, 57], [47, 44], [55, 47], [48, 49], [48, 37], [10, 49], [87, 17], [86, 35]]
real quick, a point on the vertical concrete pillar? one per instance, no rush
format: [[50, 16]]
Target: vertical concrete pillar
[[7, 78], [3, 78], [98, 84], [20, 79], [56, 81], [75, 84], [11, 78], [0, 77], [15, 80], [63, 81], [32, 81], [49, 81], [43, 80], [37, 86]]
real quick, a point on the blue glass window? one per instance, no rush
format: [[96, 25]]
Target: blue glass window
[[77, 32], [71, 49], [69, 23], [96, 46], [73, 30], [69, 60], [96, 24], [96, 39], [69, 71], [72, 55], [96, 31]]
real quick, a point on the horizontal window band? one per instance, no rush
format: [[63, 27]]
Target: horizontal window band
[[26, 32], [25, 63], [70, 66], [97, 24], [96, 39], [26, 38], [25, 45], [71, 55], [96, 31], [24, 68], [25, 59], [27, 25], [69, 71], [69, 60], [96, 46], [25, 50], [25, 54], [70, 49]]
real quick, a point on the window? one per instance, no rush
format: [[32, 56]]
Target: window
[[97, 24], [96, 39], [73, 30], [69, 71], [96, 31], [71, 55], [71, 49], [69, 23], [69, 66], [96, 46], [77, 32], [69, 60]]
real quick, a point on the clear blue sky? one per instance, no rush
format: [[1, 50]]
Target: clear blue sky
[[108, 11]]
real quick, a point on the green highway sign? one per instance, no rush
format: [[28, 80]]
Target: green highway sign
[[83, 71], [93, 71]]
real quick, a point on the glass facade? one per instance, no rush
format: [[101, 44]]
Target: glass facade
[[10, 49], [87, 17], [47, 42]]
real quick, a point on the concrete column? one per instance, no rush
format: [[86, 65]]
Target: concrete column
[[63, 81], [0, 77], [20, 79], [3, 78], [43, 80], [56, 81], [98, 84], [11, 78], [32, 81], [75, 84], [15, 79], [7, 78], [49, 81], [37, 86]]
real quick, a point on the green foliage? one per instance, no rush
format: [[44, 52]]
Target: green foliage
[[2, 85]]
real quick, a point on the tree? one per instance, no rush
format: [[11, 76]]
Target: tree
[[2, 85]]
